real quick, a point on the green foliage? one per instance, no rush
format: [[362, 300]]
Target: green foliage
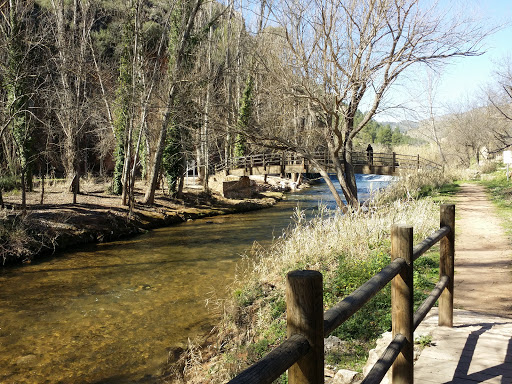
[[9, 183], [15, 83], [172, 159], [441, 193], [244, 118], [385, 136], [500, 190], [352, 356], [375, 132], [424, 341], [375, 317]]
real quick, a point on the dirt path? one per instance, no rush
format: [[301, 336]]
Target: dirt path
[[483, 255]]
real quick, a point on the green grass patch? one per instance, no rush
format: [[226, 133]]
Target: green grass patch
[[361, 331], [444, 193], [500, 192]]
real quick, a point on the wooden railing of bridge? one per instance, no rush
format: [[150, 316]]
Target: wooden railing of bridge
[[288, 162], [302, 354]]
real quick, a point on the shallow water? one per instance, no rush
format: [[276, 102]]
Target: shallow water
[[108, 313]]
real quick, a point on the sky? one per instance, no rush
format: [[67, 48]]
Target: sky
[[464, 79], [467, 76]]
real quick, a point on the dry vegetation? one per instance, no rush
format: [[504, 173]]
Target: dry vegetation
[[347, 249]]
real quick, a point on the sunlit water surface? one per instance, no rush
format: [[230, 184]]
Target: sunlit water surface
[[109, 313]]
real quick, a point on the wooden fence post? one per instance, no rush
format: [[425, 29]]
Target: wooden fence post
[[402, 303], [394, 162], [305, 316], [446, 265]]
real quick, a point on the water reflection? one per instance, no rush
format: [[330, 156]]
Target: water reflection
[[109, 312]]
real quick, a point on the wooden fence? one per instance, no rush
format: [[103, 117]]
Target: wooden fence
[[263, 162], [302, 354]]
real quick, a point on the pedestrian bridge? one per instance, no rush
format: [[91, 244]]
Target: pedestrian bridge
[[287, 162]]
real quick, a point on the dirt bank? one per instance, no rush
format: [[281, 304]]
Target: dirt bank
[[99, 216]]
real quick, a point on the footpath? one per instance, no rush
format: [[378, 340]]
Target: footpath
[[478, 349]]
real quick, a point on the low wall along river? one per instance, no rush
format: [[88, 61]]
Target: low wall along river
[[108, 313]]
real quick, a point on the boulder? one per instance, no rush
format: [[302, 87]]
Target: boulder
[[375, 354], [237, 189], [344, 376]]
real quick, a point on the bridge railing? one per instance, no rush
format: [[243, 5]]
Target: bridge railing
[[302, 354], [362, 158]]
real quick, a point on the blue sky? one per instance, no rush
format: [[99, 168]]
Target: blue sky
[[467, 76], [463, 80]]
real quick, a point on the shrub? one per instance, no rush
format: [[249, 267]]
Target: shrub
[[9, 183]]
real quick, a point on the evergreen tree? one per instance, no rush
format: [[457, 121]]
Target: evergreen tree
[[15, 84], [397, 137], [244, 118], [384, 135]]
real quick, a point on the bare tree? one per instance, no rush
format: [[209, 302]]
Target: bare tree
[[468, 130], [345, 55], [500, 98], [430, 128], [190, 10], [73, 23]]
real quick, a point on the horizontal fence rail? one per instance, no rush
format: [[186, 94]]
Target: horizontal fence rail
[[302, 353]]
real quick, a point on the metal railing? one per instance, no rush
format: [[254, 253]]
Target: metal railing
[[302, 354]]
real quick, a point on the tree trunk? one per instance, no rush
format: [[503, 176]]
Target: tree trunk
[[334, 191], [350, 179], [41, 200], [23, 191], [149, 197], [181, 183]]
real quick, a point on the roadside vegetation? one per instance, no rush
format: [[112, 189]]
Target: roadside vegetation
[[500, 190], [348, 250]]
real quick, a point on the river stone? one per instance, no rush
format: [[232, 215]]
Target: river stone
[[27, 360]]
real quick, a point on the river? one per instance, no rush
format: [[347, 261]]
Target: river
[[108, 313]]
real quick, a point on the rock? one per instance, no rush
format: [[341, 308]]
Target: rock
[[240, 189], [332, 342], [329, 374], [375, 354], [344, 376], [27, 360]]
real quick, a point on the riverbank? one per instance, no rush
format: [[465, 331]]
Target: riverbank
[[347, 250], [98, 216]]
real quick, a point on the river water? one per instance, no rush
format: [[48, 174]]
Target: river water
[[108, 313]]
